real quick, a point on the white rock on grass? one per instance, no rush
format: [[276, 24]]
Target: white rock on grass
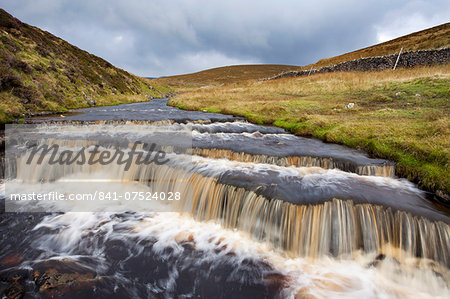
[[349, 106]]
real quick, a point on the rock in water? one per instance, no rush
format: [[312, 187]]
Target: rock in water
[[15, 290], [59, 277]]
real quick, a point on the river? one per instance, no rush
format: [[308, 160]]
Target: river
[[257, 213]]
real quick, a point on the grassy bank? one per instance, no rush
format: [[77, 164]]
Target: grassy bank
[[13, 108], [400, 115]]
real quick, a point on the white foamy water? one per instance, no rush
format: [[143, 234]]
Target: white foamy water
[[325, 277]]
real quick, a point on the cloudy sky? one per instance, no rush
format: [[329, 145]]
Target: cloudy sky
[[167, 37]]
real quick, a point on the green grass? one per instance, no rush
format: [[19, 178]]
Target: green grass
[[402, 116]]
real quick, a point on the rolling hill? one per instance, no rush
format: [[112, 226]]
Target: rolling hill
[[432, 38], [228, 74], [41, 72]]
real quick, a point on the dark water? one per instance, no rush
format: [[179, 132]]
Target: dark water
[[120, 265], [154, 111]]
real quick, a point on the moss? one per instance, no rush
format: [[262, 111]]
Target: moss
[[5, 117], [212, 109]]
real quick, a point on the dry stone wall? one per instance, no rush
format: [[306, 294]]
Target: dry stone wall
[[407, 59]]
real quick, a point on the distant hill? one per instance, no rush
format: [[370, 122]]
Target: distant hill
[[228, 74], [432, 38], [41, 72]]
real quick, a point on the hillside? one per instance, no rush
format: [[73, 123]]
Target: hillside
[[228, 74], [431, 38], [41, 72]]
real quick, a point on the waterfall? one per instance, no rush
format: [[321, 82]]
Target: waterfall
[[304, 161], [338, 227], [335, 227]]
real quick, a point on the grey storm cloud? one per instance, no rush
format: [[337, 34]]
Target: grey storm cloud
[[154, 38]]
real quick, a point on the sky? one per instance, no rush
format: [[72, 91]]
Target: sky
[[155, 38]]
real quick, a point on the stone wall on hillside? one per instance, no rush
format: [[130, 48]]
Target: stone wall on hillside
[[407, 59]]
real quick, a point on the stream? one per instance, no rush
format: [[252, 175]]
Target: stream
[[249, 211]]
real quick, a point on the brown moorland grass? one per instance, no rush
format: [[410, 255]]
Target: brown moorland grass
[[227, 74], [400, 115]]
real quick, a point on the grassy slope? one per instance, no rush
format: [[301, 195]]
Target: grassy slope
[[228, 74], [400, 115], [39, 71], [432, 38]]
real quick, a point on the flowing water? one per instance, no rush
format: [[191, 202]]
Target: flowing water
[[263, 214]]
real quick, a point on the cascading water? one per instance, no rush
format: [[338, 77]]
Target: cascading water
[[264, 214]]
